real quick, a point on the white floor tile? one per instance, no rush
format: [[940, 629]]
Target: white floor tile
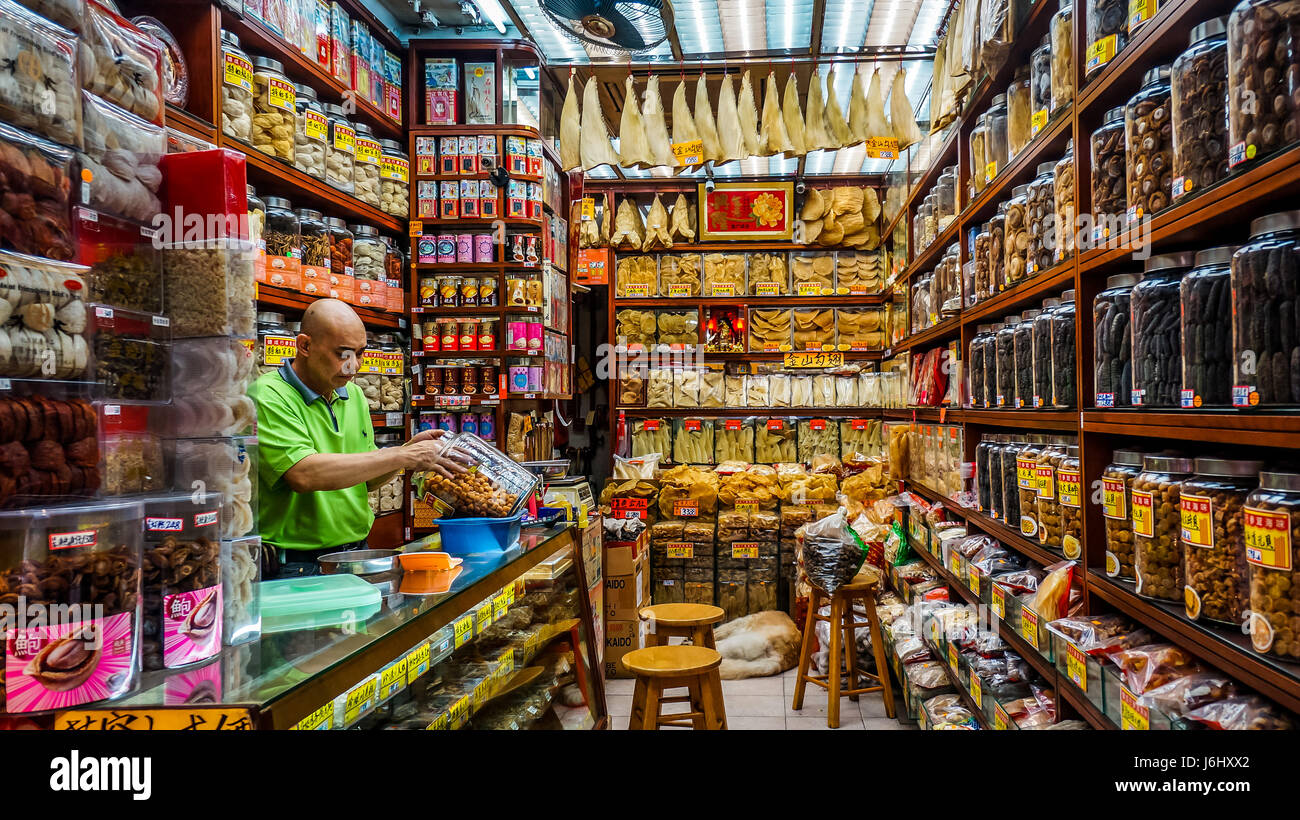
[[847, 722], [755, 723], [754, 686], [754, 705], [886, 725], [619, 686], [619, 705]]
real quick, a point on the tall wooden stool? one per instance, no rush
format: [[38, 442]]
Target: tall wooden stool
[[843, 624], [692, 621], [665, 667]]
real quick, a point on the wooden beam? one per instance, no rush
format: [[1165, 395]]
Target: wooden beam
[[670, 21], [516, 19], [818, 18]]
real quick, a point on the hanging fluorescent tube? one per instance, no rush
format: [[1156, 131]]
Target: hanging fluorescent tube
[[494, 13]]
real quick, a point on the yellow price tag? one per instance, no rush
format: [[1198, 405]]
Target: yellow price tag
[[1069, 483], [952, 657], [458, 714], [1101, 52], [999, 602], [1132, 715], [322, 718], [813, 359], [464, 630], [977, 690], [187, 718], [1076, 666], [882, 147], [1000, 719], [744, 550], [507, 665], [973, 579], [1037, 121], [588, 208], [441, 722], [359, 700], [393, 679], [1143, 514], [689, 153], [499, 606], [681, 550], [1198, 522], [417, 663], [1029, 625], [1268, 538], [1114, 504], [484, 616]]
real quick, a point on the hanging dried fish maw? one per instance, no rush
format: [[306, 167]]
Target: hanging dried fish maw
[[570, 128], [775, 139], [628, 228], [900, 112], [815, 135], [661, 152], [835, 124], [858, 110], [684, 129], [679, 220], [793, 118], [733, 144], [596, 148], [633, 149], [656, 225], [877, 123], [606, 221], [705, 124], [748, 113]]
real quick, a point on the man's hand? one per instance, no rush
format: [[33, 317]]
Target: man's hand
[[429, 435], [430, 454]]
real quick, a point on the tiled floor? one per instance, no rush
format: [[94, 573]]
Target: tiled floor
[[764, 703]]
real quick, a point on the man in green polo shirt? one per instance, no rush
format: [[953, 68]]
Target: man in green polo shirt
[[316, 446]]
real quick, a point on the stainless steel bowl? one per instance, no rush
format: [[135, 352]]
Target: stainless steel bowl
[[358, 562]]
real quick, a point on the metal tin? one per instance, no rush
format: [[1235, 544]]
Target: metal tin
[[357, 562]]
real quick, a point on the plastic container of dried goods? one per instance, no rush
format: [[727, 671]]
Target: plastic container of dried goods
[[317, 602], [274, 117], [1111, 355], [638, 277], [129, 354], [340, 246], [983, 479], [925, 222], [66, 13], [945, 199], [44, 336], [1107, 33], [120, 160], [1016, 239], [1198, 85], [990, 378], [1109, 175], [1117, 511], [225, 466], [121, 63], [38, 176], [367, 252], [1069, 490], [125, 270], [983, 286], [948, 276], [365, 169], [210, 288], [1263, 113], [1026, 457], [282, 237], [311, 129], [1040, 212], [1062, 35], [1019, 113], [1205, 296], [1264, 344], [394, 179], [1062, 321], [1157, 359], [996, 118], [1047, 503], [1004, 356], [1008, 457], [315, 246], [236, 89], [995, 505], [90, 655], [1023, 354], [1040, 84], [979, 152], [275, 344], [131, 458], [1149, 145], [180, 584], [979, 365], [496, 486], [1212, 534], [340, 149], [997, 249], [1272, 535], [43, 95], [1043, 355], [1158, 557], [256, 218], [241, 589], [1063, 193]]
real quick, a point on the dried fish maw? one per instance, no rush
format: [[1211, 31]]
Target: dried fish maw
[[570, 129], [815, 135], [684, 129], [877, 125], [733, 143], [748, 115], [835, 124], [900, 112], [774, 140], [633, 149], [858, 111], [656, 132], [628, 227], [705, 124], [870, 205], [814, 206], [793, 118], [832, 231], [657, 226], [606, 221], [846, 200], [596, 148], [679, 220], [852, 222]]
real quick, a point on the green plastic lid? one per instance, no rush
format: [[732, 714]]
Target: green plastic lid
[[316, 602]]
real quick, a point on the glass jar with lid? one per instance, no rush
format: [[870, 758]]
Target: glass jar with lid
[[1154, 306], [1212, 503], [394, 179], [995, 442], [368, 252], [950, 290], [921, 302], [1198, 86], [1263, 112], [982, 286], [394, 259], [1116, 491], [1016, 241], [1107, 33], [340, 149], [1069, 491], [392, 390], [1019, 113], [275, 344], [1062, 319], [930, 217], [979, 365], [315, 251], [236, 89], [365, 169], [1063, 195], [1204, 296], [1157, 523], [341, 241], [991, 366], [1023, 354], [983, 487], [1040, 84], [997, 152], [1264, 284], [1005, 358], [945, 199], [283, 239], [1002, 459], [274, 117], [1061, 30], [311, 129], [1025, 486], [1043, 353], [256, 219], [1047, 504], [1149, 145], [979, 153], [1109, 174], [997, 249], [1039, 210], [1272, 536], [1112, 370]]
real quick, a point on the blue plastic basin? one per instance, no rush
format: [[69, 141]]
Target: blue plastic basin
[[461, 536]]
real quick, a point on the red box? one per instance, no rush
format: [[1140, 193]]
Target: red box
[[207, 183], [440, 106]]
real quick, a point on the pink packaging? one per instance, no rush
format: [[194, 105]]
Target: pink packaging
[[483, 244], [517, 335], [534, 379], [534, 337], [487, 426], [446, 249], [518, 378], [464, 247]]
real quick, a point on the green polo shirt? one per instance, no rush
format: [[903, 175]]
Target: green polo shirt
[[293, 422]]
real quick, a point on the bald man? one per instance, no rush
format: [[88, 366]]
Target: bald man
[[317, 454]]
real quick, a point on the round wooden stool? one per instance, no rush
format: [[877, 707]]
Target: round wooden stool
[[665, 667], [843, 626], [692, 621]]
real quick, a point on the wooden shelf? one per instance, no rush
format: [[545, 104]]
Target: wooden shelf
[[942, 332], [188, 124], [1032, 291], [478, 176], [470, 354], [1263, 429], [928, 258], [295, 301], [1009, 537], [744, 412], [796, 302], [508, 221], [1064, 420], [1047, 146], [733, 247], [379, 419]]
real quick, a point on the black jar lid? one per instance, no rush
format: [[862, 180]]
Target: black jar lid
[[1213, 27], [1239, 468], [1280, 221], [1129, 458], [1216, 257]]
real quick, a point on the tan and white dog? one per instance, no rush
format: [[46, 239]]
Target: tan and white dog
[[758, 645]]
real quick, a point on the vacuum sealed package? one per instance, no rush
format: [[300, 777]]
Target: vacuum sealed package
[[832, 552]]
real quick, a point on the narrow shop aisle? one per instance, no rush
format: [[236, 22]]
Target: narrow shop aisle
[[764, 703]]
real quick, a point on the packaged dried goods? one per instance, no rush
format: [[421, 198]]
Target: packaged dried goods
[[769, 274], [1157, 356], [210, 378], [1047, 503], [236, 89], [274, 115], [978, 365], [1112, 342], [1040, 84], [340, 149], [1117, 511], [945, 202], [638, 276], [659, 388], [724, 274], [686, 388], [635, 327], [365, 169], [494, 487], [394, 180], [1062, 319], [66, 13], [311, 129], [175, 73], [180, 584], [817, 437], [43, 97], [130, 354], [1265, 349], [678, 327], [1109, 172], [1272, 537], [125, 269], [34, 211], [46, 318], [241, 574], [1107, 32], [695, 488], [997, 250], [775, 442], [1198, 85], [979, 152], [1263, 114], [1152, 666], [813, 329], [770, 330], [813, 273], [121, 157], [996, 151], [1157, 524], [1023, 359], [1242, 713], [857, 273], [651, 437], [368, 252], [693, 440], [1212, 534], [1149, 145], [1205, 296], [1066, 214], [733, 440], [1062, 34], [121, 63], [210, 289], [225, 466]]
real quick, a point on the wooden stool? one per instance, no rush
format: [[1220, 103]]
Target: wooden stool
[[843, 625], [664, 667], [692, 621]]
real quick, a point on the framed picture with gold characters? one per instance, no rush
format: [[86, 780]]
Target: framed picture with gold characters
[[747, 211]]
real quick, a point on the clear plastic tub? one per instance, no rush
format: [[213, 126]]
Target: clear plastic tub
[[1027, 457], [121, 63], [812, 273], [1263, 114], [1212, 535], [1040, 84], [1117, 511], [226, 466], [317, 602], [997, 249], [1157, 523], [1107, 33], [997, 152], [1264, 345], [210, 288], [1016, 239], [365, 170], [1004, 355], [180, 584], [236, 89], [1274, 559], [340, 151], [1063, 193], [394, 180], [979, 366], [1205, 296], [1112, 343], [125, 267], [241, 576], [1062, 36], [1198, 87], [274, 117], [495, 486], [43, 97], [979, 149], [1157, 359], [44, 171], [210, 378], [311, 128], [44, 333], [130, 354], [121, 158], [1019, 113]]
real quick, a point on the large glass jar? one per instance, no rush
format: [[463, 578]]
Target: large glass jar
[[1040, 84], [1024, 359], [1019, 113], [365, 168], [1272, 538], [1047, 505], [997, 249], [995, 506], [1069, 491], [341, 241], [1205, 297], [950, 289], [1010, 452], [1062, 35], [979, 365], [274, 117], [1157, 359], [310, 131], [929, 219], [341, 149], [1063, 371], [1063, 193], [1109, 178], [1039, 210], [1213, 537], [991, 366], [368, 252], [1016, 242], [256, 219], [275, 344], [283, 240], [983, 284], [997, 150], [1149, 145], [1265, 346], [1198, 84], [946, 199], [1157, 522], [315, 241], [920, 303], [394, 180], [1263, 111], [1117, 512], [1027, 485], [1005, 356], [236, 89], [1112, 372], [1043, 353], [983, 486], [979, 153], [1107, 33]]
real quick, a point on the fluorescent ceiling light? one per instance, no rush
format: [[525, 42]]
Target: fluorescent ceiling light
[[494, 13]]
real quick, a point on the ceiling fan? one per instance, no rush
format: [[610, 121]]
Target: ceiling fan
[[613, 26]]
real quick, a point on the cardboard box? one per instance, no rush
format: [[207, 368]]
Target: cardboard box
[[622, 637], [621, 557], [625, 594]]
